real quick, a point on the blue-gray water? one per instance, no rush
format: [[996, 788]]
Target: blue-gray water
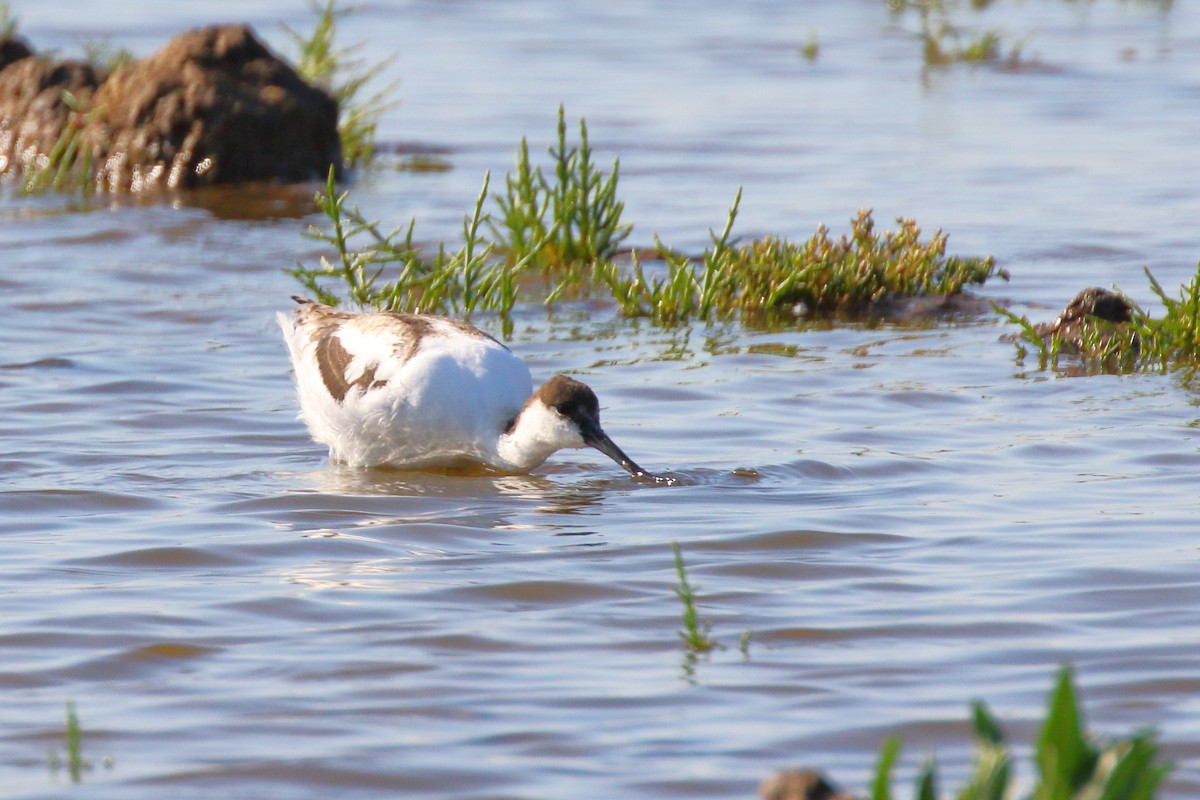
[[902, 516]]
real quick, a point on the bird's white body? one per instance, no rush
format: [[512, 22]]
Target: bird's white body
[[424, 391]]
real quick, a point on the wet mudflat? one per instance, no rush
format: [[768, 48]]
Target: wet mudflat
[[902, 516]]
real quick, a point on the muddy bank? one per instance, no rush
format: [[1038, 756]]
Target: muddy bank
[[213, 106]]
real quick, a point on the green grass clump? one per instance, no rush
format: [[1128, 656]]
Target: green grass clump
[[773, 277], [8, 21], [461, 281], [945, 42], [554, 227], [695, 637], [572, 218], [1142, 344], [105, 56], [75, 763], [1070, 765], [560, 230], [67, 166], [322, 63]]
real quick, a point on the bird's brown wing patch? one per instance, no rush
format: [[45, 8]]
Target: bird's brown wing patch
[[332, 361]]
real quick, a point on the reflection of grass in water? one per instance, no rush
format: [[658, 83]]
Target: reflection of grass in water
[[1142, 344], [557, 233], [1070, 766]]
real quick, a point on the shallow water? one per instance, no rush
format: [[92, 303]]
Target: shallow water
[[902, 516]]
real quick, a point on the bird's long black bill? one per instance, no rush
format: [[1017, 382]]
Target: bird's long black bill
[[599, 440]]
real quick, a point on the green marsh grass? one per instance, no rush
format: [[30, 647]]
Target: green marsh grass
[[1143, 344], [571, 218], [8, 21], [461, 281], [1068, 764], [557, 234], [811, 47], [67, 166], [695, 636], [323, 63], [74, 761], [774, 278], [104, 55], [945, 41]]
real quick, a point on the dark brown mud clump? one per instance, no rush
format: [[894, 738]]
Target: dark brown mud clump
[[33, 109], [213, 106]]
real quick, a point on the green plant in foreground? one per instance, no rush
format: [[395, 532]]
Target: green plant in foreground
[[1070, 766], [320, 62], [694, 636], [1143, 343]]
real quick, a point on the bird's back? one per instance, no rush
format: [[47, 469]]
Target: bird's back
[[402, 389]]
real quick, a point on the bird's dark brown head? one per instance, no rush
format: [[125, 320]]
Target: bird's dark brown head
[[577, 403], [1097, 302], [571, 398]]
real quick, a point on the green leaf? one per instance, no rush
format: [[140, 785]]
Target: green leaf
[[1135, 775], [926, 788], [1065, 758], [987, 730], [881, 786]]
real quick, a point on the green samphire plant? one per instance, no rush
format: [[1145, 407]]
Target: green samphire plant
[[557, 233], [774, 278], [569, 219]]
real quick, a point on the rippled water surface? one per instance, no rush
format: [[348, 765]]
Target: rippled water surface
[[902, 516]]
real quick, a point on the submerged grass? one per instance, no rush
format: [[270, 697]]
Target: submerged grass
[[945, 41], [695, 636], [1069, 765], [1143, 344], [562, 229], [74, 761]]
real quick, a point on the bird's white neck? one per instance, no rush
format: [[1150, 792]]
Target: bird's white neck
[[537, 433]]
